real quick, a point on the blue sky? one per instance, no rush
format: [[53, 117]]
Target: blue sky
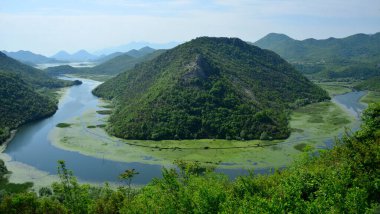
[[47, 26]]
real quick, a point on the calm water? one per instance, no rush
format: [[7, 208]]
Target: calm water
[[72, 64], [31, 144], [350, 101]]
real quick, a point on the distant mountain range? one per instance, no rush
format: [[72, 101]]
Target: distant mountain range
[[83, 55], [136, 45], [30, 58], [111, 64], [123, 62], [134, 49], [356, 56], [80, 56]]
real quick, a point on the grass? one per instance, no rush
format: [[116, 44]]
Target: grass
[[63, 125], [371, 97], [300, 147], [336, 88], [312, 125], [320, 119]]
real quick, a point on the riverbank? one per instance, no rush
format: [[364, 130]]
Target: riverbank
[[311, 125], [371, 97], [57, 94], [94, 156], [21, 172], [3, 146]]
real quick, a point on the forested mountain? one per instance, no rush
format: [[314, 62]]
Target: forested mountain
[[208, 88], [20, 104], [120, 63], [60, 70], [355, 56], [30, 58], [30, 75]]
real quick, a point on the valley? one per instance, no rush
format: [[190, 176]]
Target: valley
[[125, 106], [218, 106], [86, 143]]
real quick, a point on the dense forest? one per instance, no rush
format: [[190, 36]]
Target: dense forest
[[208, 88], [356, 56], [20, 104], [344, 179], [61, 70], [20, 101]]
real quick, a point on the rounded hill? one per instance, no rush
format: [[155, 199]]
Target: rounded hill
[[208, 88]]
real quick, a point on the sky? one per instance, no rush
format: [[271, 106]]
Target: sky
[[47, 26]]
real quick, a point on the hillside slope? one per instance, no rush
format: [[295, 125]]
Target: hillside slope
[[208, 88], [60, 70], [20, 104], [355, 56], [120, 63], [30, 58], [30, 75]]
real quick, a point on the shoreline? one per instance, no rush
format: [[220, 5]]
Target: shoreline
[[230, 154], [60, 94], [5, 143]]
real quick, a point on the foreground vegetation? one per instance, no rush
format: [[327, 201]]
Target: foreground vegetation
[[344, 179]]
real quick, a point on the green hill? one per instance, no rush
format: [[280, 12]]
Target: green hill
[[28, 57], [20, 101], [355, 56], [20, 104], [208, 88], [60, 70], [30, 75], [120, 63]]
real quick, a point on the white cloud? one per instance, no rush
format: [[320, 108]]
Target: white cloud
[[49, 29]]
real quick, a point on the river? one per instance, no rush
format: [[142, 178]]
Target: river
[[31, 145]]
